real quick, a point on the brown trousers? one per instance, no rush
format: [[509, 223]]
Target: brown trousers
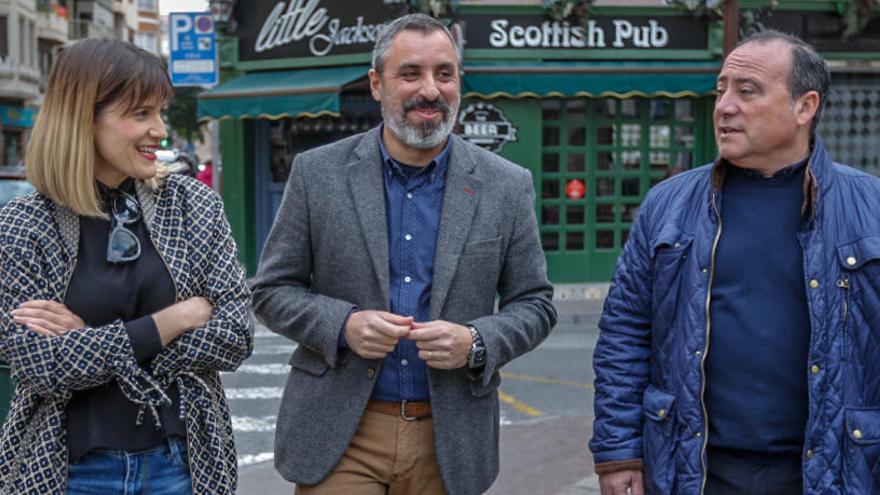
[[388, 455]]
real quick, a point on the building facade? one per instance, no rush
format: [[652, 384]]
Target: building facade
[[599, 107]]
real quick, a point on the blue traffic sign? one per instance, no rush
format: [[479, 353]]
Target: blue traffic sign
[[193, 59]]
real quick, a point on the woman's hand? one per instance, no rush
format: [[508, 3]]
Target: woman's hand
[[48, 318], [182, 317]]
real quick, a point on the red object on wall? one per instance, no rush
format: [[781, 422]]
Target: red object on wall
[[575, 189]]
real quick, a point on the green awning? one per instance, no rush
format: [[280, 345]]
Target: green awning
[[674, 79], [277, 94]]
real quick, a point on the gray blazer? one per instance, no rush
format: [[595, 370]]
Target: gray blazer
[[328, 253]]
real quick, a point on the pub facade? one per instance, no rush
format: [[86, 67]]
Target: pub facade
[[599, 106]]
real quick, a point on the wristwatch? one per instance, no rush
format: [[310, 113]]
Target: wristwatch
[[477, 355]]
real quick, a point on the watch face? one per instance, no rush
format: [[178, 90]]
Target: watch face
[[479, 356]]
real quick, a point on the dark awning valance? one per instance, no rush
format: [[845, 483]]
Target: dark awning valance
[[276, 94], [673, 79]]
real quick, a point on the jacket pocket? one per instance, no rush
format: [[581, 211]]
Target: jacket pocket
[[861, 453], [484, 247], [859, 303], [658, 440], [669, 260], [308, 361]]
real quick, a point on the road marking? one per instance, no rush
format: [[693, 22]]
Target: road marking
[[247, 460], [541, 379], [254, 393], [251, 424], [262, 332], [262, 369], [518, 405], [274, 349]]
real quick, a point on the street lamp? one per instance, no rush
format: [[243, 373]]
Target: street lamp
[[222, 12]]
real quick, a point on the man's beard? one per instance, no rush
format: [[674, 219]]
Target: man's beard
[[427, 134]]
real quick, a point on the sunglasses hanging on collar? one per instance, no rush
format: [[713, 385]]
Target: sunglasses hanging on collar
[[123, 245]]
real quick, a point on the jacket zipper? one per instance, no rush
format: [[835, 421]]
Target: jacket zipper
[[843, 283], [706, 347]]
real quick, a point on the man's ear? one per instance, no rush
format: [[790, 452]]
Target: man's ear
[[375, 85], [806, 107]]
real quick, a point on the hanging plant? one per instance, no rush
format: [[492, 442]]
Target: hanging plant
[[856, 15], [575, 11], [434, 8], [712, 8]]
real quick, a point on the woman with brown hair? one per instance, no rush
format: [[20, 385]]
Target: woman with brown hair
[[121, 299]]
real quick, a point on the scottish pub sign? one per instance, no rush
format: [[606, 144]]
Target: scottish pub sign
[[309, 29]]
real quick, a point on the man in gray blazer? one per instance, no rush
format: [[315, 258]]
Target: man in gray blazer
[[383, 265]]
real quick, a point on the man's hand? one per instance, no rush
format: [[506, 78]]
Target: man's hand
[[373, 334], [442, 344], [48, 318], [620, 482]]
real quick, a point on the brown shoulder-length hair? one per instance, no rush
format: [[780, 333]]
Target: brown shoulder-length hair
[[88, 76]]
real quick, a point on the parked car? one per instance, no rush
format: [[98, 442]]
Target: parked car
[[13, 184], [178, 162]]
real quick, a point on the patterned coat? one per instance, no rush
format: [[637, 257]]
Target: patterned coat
[[38, 250]]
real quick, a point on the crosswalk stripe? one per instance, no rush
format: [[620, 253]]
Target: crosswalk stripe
[[266, 350], [262, 369], [254, 393], [251, 424], [249, 459]]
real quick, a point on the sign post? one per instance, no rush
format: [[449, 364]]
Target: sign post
[[193, 60]]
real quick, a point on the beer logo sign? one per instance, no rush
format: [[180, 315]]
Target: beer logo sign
[[486, 126]]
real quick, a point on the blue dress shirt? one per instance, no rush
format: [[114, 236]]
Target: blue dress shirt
[[413, 203]]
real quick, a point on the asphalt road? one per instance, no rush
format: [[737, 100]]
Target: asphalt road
[[546, 409]]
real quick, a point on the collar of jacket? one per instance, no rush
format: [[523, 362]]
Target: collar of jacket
[[68, 221], [817, 177]]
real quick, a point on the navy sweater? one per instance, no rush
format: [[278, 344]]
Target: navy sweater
[[756, 368]]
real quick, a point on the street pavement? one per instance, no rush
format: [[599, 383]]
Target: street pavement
[[546, 407]]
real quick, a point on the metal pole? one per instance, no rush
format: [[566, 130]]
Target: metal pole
[[731, 25], [217, 162]]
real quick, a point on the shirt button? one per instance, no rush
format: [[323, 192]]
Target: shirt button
[[409, 195], [370, 372], [408, 237], [699, 434], [698, 353], [404, 362], [814, 284], [704, 270], [851, 261], [407, 279], [815, 369], [809, 453], [661, 413], [857, 434]]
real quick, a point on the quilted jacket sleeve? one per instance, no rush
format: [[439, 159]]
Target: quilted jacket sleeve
[[282, 296], [621, 358], [53, 366], [227, 340]]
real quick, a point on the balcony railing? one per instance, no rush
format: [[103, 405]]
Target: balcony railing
[[88, 29]]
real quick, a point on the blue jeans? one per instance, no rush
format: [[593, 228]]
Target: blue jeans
[[160, 471]]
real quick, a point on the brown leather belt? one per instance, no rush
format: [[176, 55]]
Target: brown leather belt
[[409, 411]]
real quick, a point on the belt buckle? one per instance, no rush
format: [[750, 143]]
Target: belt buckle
[[403, 412]]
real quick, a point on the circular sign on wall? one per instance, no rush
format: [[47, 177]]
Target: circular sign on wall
[[575, 189], [486, 126]]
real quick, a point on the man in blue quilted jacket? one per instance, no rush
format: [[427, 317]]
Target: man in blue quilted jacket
[[739, 350]]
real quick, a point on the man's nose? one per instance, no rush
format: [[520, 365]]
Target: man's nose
[[429, 89], [725, 104]]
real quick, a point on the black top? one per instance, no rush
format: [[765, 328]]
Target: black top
[[99, 293], [756, 369]]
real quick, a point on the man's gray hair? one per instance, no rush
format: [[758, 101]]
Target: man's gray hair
[[809, 71], [412, 22]]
